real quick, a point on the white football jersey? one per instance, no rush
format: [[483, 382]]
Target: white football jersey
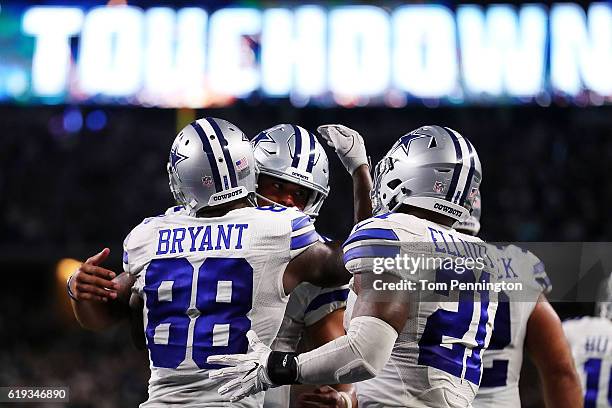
[[504, 357], [308, 304], [205, 282], [436, 359], [590, 339]]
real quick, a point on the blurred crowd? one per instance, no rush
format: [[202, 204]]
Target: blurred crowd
[[543, 170]]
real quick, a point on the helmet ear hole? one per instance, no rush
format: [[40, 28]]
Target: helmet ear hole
[[394, 183]]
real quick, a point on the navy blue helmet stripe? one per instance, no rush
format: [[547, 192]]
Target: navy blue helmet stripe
[[457, 171], [311, 156], [226, 153], [298, 147], [468, 182], [209, 154]]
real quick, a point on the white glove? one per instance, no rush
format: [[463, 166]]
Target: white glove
[[348, 144], [249, 371]]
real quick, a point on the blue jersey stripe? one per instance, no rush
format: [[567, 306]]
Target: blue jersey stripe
[[125, 257], [304, 240], [371, 251], [299, 223], [339, 295], [371, 233], [311, 156], [226, 154], [468, 181], [298, 147], [457, 171], [209, 153]]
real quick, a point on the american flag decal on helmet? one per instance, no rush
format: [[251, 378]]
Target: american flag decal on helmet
[[242, 164]]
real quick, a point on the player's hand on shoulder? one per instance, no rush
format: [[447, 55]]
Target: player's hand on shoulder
[[93, 282], [324, 396], [347, 143]]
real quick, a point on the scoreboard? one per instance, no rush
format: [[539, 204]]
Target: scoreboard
[[310, 54]]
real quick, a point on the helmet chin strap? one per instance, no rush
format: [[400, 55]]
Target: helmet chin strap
[[266, 199]]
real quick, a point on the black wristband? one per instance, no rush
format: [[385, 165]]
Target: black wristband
[[282, 368]]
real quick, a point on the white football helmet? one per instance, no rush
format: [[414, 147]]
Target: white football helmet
[[211, 163], [433, 168], [471, 226], [294, 154], [603, 307]]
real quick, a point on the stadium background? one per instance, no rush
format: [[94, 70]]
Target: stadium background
[[75, 177]]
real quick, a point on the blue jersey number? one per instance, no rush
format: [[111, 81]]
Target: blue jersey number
[[456, 325], [497, 374], [224, 295], [592, 369]]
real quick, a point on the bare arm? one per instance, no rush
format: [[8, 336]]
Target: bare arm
[[551, 354], [136, 322], [362, 185], [321, 265], [390, 306], [102, 296], [325, 330]]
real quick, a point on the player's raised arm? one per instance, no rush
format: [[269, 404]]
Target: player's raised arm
[[548, 347], [350, 148], [98, 295]]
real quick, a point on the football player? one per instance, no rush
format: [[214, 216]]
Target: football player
[[208, 273], [301, 181], [406, 352], [590, 339], [524, 319]]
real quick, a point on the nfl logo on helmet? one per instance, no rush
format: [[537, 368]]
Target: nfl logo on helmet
[[438, 187], [207, 181]]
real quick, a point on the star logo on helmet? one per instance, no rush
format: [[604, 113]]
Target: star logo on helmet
[[407, 140], [176, 158], [260, 138]]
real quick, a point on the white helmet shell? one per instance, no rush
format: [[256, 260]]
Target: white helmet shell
[[433, 168], [211, 163]]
